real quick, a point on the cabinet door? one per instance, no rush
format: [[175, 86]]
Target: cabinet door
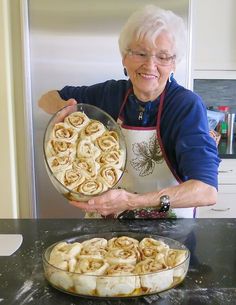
[[214, 37], [227, 172], [225, 206]]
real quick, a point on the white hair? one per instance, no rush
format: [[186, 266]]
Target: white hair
[[147, 23]]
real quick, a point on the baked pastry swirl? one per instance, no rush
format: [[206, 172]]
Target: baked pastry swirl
[[63, 132]]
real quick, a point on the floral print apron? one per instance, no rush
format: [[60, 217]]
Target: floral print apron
[[147, 167]]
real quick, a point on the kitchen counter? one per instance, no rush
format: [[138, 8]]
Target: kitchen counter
[[211, 278]]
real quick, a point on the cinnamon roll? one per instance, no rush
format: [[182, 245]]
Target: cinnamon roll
[[174, 258], [60, 163], [93, 130], [114, 158], [107, 141], [97, 242], [109, 175], [91, 187], [77, 120], [88, 166], [154, 275], [158, 245], [120, 280], [60, 148], [122, 256], [62, 132], [71, 178], [87, 149], [123, 242]]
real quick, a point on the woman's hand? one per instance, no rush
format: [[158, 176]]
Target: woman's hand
[[51, 102], [111, 202]]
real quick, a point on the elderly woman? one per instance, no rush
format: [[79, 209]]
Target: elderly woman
[[172, 161]]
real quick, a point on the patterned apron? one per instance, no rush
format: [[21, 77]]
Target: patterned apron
[[147, 167]]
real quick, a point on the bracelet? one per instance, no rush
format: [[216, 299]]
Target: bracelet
[[164, 203]]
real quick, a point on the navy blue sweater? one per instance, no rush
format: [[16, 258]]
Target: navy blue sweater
[[184, 125]]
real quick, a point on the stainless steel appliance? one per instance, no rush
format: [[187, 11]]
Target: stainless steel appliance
[[73, 42]]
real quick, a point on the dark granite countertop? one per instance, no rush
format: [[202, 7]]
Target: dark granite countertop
[[211, 278]]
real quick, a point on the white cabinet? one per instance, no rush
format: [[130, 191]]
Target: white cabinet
[[226, 203], [214, 38]]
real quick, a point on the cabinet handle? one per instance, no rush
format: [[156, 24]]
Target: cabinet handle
[[220, 210], [226, 171]]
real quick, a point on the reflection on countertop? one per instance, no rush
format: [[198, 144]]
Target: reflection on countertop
[[225, 151]]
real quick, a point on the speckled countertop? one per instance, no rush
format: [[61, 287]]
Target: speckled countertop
[[211, 278]]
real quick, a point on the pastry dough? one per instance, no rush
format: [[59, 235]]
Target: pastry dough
[[123, 242], [91, 187], [62, 132], [96, 242], [108, 141], [154, 276], [118, 282], [109, 175], [77, 120], [93, 130], [87, 149], [60, 163], [123, 256], [71, 178], [60, 148], [87, 166], [114, 158]]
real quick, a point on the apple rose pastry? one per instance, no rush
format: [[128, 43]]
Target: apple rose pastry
[[85, 282], [71, 178], [62, 132], [77, 120], [114, 158], [88, 166], [107, 141], [93, 130], [154, 275], [91, 187], [120, 280], [109, 175], [60, 163], [87, 149], [122, 256], [62, 148], [123, 242]]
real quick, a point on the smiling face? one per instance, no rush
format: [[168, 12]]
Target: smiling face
[[149, 66]]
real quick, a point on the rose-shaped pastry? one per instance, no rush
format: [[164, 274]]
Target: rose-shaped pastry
[[123, 242], [159, 277], [62, 132], [70, 178], [93, 130], [60, 163], [122, 256], [77, 120], [60, 148], [85, 282], [109, 175], [154, 254], [114, 158], [159, 245], [91, 187], [107, 141], [97, 242], [88, 166], [121, 280], [87, 149]]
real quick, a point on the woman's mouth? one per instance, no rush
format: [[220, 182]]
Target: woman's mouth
[[147, 76]]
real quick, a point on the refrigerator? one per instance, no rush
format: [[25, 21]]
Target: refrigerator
[[75, 42]]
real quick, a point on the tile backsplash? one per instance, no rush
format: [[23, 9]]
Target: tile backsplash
[[217, 92]]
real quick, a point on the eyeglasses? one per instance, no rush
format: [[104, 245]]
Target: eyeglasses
[[161, 59]]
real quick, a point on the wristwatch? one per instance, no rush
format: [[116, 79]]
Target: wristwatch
[[164, 203]]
